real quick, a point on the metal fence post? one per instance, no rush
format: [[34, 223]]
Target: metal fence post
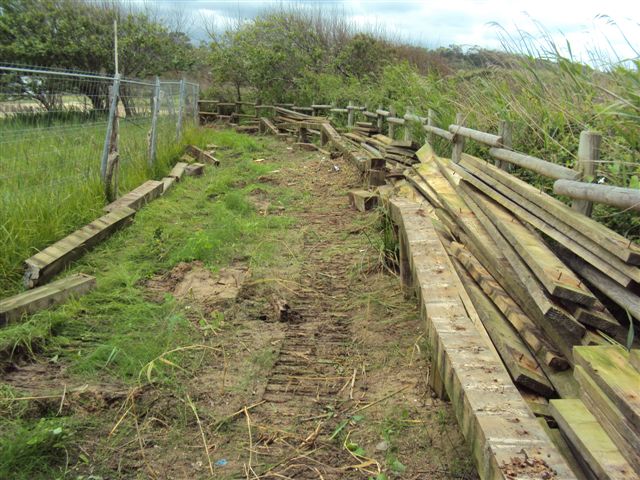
[[180, 110], [115, 91], [154, 124]]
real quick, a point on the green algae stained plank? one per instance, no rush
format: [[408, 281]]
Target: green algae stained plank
[[138, 197], [610, 369], [46, 263], [591, 441], [47, 296], [499, 426], [609, 416]]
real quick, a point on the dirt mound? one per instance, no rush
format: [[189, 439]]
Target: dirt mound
[[193, 282]]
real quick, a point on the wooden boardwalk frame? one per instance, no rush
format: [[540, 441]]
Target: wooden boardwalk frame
[[47, 296], [46, 263], [138, 197], [496, 421]]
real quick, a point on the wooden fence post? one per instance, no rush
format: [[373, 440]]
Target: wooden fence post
[[505, 130], [430, 122], [110, 154], [350, 114], [379, 120], [392, 127], [153, 137], [407, 124], [588, 155], [458, 141]]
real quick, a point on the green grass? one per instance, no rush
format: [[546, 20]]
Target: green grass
[[116, 333], [50, 181]]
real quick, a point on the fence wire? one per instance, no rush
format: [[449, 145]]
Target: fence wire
[[53, 126]]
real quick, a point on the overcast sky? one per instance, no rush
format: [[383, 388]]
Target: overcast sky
[[462, 22]]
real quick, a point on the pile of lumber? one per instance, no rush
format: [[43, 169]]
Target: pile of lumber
[[367, 129], [396, 154], [551, 288]]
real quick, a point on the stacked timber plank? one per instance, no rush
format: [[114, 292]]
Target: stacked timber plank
[[555, 291], [367, 129]]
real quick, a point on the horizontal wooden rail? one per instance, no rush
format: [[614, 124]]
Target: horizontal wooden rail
[[370, 114], [339, 110], [263, 107], [355, 107], [395, 120], [624, 198], [383, 113], [208, 101], [411, 117], [548, 169], [439, 132], [322, 107], [477, 135], [302, 109]]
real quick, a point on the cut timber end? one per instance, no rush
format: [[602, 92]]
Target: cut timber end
[[591, 441], [139, 197], [47, 296], [194, 170], [363, 200], [496, 421], [376, 177], [167, 183], [178, 170], [45, 264]]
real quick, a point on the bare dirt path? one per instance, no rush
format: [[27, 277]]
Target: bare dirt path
[[296, 356]]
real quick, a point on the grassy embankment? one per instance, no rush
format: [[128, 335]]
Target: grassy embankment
[[116, 334], [51, 183]]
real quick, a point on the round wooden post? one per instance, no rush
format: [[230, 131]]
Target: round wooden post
[[588, 155], [350, 114], [458, 141], [392, 127], [379, 120], [505, 130], [431, 123], [407, 124]]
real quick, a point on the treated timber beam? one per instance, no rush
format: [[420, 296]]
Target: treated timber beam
[[499, 427], [576, 241], [46, 263], [178, 170], [618, 245], [548, 169], [591, 441], [138, 197], [439, 132], [623, 198], [610, 417], [549, 225], [47, 296], [554, 275], [610, 369], [521, 364]]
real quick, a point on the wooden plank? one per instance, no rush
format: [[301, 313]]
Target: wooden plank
[[582, 471], [497, 255], [528, 330], [634, 359], [563, 330], [439, 132], [44, 297], [477, 135], [201, 156], [178, 170], [616, 243], [591, 441], [610, 369], [599, 318], [267, 125], [549, 225], [554, 275], [521, 364], [610, 417], [622, 198], [138, 197], [499, 427], [46, 263], [535, 164]]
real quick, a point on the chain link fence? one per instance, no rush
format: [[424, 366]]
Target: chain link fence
[[57, 137]]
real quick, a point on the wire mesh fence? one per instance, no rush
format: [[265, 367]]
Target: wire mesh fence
[[53, 137]]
